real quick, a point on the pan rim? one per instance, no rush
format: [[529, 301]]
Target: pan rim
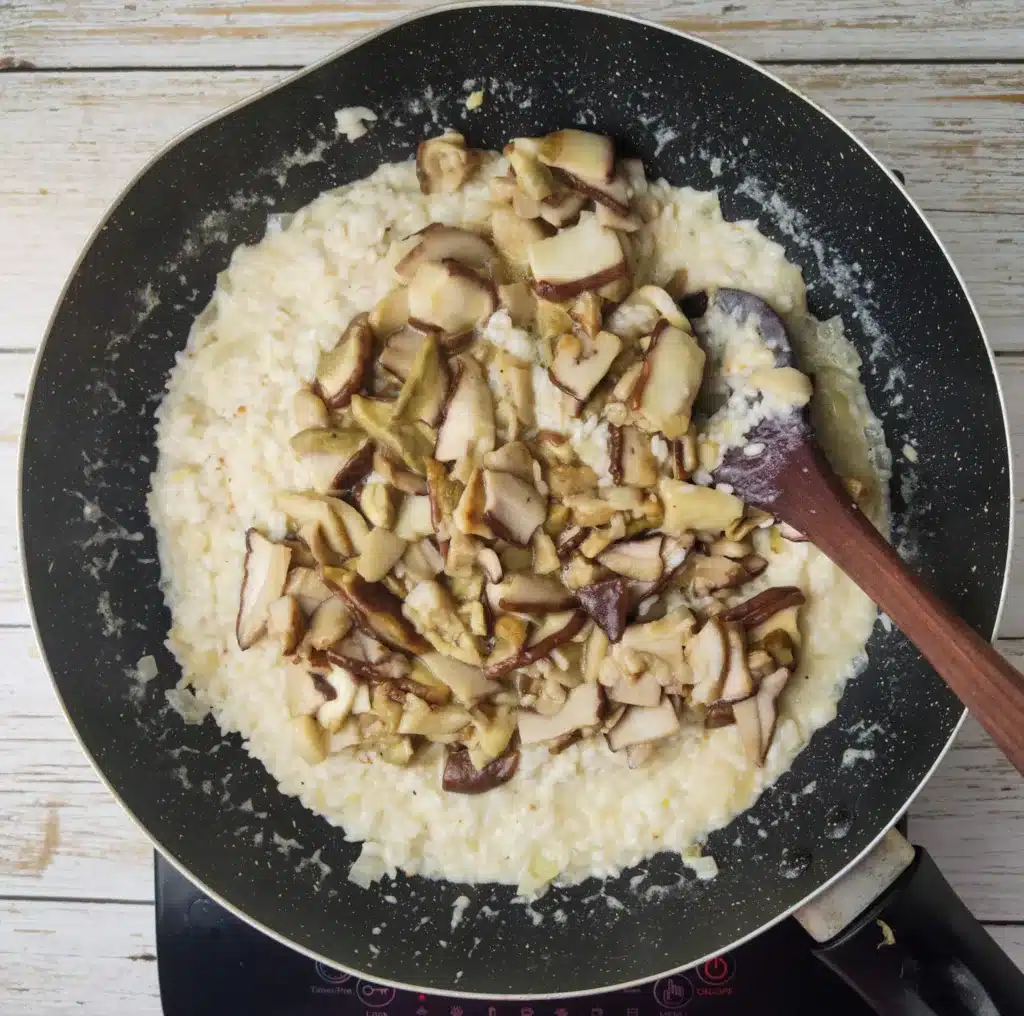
[[288, 79]]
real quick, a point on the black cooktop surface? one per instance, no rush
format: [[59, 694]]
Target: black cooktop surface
[[211, 964]]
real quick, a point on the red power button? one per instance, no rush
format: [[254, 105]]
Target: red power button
[[717, 970]]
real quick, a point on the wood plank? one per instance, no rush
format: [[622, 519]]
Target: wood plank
[[66, 837], [103, 33], [62, 958], [73, 141]]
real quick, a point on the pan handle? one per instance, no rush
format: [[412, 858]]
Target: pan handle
[[918, 951]]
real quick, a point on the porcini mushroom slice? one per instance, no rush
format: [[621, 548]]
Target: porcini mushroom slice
[[285, 620], [768, 692], [642, 724], [310, 740], [437, 243], [705, 575], [332, 455], [444, 164], [533, 178], [748, 724], [561, 208], [764, 605], [518, 299], [586, 155], [584, 256], [611, 218], [390, 313], [707, 653], [556, 630], [513, 236], [525, 593], [309, 508], [305, 693], [333, 713], [644, 691], [414, 520], [451, 297], [308, 588], [690, 508], [633, 462], [581, 362], [264, 574], [514, 458], [400, 350], [381, 552], [425, 390], [670, 380], [512, 508], [611, 195], [738, 683], [419, 718], [469, 684], [607, 602], [340, 371], [635, 559], [377, 610], [330, 623], [468, 423], [582, 709], [462, 777]]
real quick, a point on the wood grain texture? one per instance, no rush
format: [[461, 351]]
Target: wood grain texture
[[74, 140], [65, 836], [62, 958], [104, 33]]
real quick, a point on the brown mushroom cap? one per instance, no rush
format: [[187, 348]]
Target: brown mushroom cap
[[264, 575], [462, 777], [607, 602]]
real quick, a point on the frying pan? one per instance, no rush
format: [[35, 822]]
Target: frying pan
[[696, 115]]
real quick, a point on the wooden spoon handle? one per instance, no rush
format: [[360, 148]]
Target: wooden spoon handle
[[816, 502]]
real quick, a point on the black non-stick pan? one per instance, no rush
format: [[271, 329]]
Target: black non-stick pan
[[697, 116]]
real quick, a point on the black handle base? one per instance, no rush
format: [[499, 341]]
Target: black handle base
[[918, 951]]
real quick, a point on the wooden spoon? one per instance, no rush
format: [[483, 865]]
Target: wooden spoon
[[791, 479]]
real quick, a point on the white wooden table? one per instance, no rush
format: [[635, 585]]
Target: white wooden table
[[88, 90]]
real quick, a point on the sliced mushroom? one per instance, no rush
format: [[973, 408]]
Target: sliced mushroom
[[786, 621], [310, 410], [787, 532], [562, 208], [420, 718], [642, 724], [738, 683], [469, 684], [551, 320], [493, 732], [305, 693], [580, 363], [758, 609], [632, 462], [533, 178], [518, 299], [449, 296], [437, 243], [582, 709], [556, 630], [264, 574], [586, 155], [308, 588], [707, 654], [390, 313], [643, 691], [607, 602], [512, 508], [400, 351], [333, 713], [468, 425], [584, 256], [435, 614], [689, 507], [422, 560], [612, 218], [635, 559], [669, 381], [767, 696], [381, 552], [286, 622], [444, 164], [406, 441], [513, 236], [335, 457], [425, 390], [414, 521], [525, 593], [545, 554], [705, 575], [330, 623], [377, 610], [309, 508], [468, 517], [748, 724], [514, 458], [340, 371], [461, 776]]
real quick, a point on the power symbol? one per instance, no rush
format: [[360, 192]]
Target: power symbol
[[716, 971]]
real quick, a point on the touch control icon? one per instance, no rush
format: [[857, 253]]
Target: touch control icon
[[375, 996], [329, 975], [673, 992], [717, 970]]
